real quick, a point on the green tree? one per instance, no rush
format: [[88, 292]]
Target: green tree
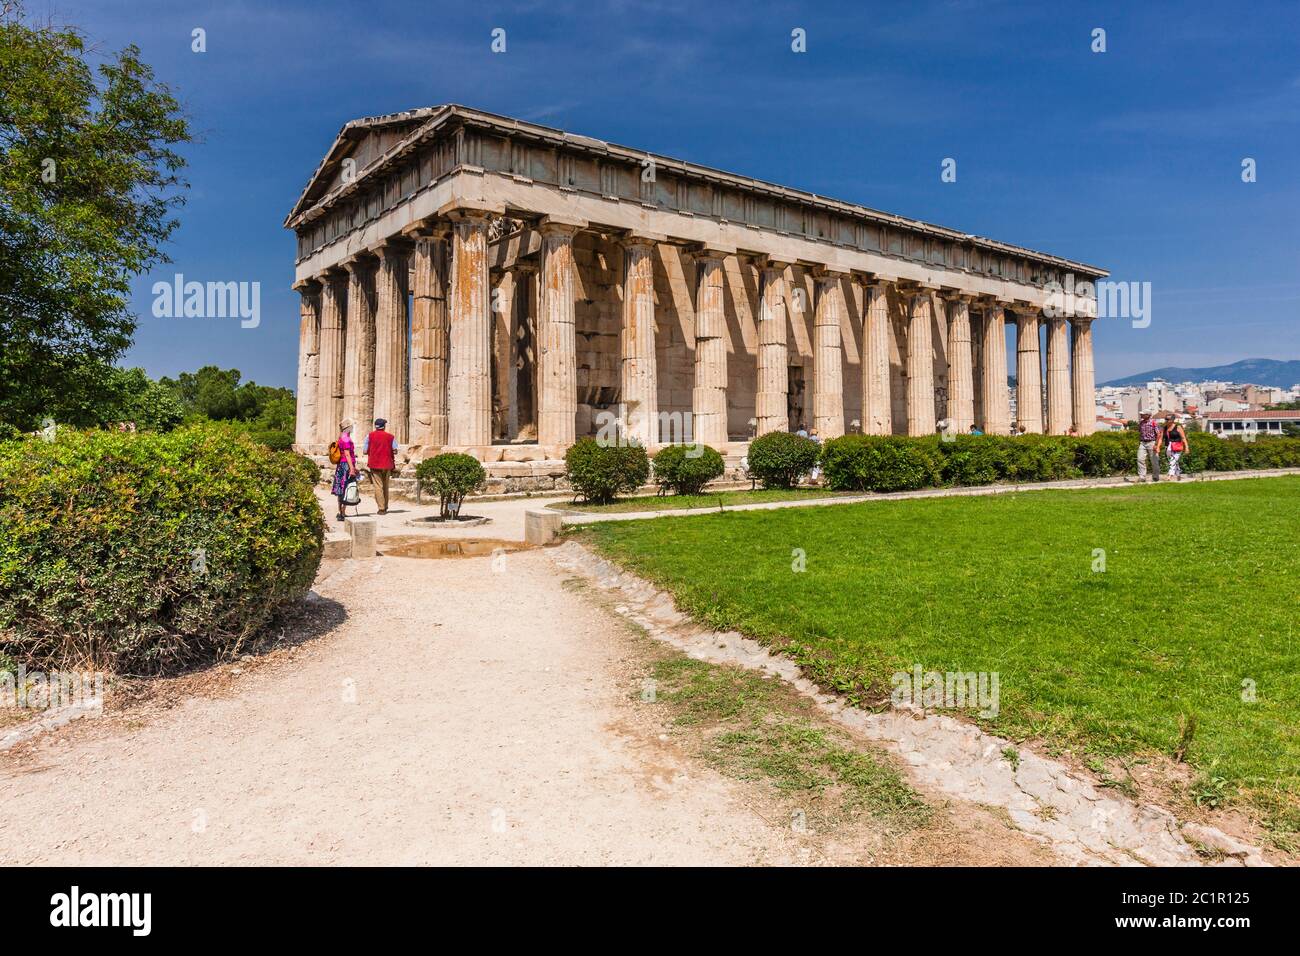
[[218, 394], [89, 182]]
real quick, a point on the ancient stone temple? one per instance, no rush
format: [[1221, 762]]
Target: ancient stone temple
[[497, 287]]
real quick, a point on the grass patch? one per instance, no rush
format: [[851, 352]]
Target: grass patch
[[755, 730], [709, 499], [1194, 614]]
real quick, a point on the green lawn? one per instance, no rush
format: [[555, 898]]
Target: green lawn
[[1198, 595], [710, 499]]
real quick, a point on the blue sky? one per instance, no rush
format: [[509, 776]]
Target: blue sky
[[1128, 159]]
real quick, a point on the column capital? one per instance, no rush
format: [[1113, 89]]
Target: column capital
[[872, 280], [361, 263], [634, 238], [914, 289], [1082, 321], [475, 209], [709, 250], [561, 226], [1026, 309], [763, 261], [394, 247], [827, 273], [427, 229], [307, 287]]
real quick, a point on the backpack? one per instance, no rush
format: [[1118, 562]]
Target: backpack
[[351, 493], [336, 456]]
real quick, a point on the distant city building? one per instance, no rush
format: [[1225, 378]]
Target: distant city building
[[1248, 423], [1188, 400], [1263, 396]]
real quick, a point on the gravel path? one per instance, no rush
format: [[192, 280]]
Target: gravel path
[[458, 714]]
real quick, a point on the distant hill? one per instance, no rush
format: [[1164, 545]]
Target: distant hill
[[1270, 372]]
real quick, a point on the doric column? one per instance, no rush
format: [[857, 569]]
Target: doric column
[[308, 402], [469, 377], [333, 323], [993, 372], [359, 353], [828, 358], [639, 380], [503, 353], [392, 364], [709, 397], [961, 388], [429, 346], [977, 362], [558, 368], [1029, 370], [877, 411], [920, 365], [1058, 377], [1084, 384], [772, 396]]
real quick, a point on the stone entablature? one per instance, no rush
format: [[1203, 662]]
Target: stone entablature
[[485, 283], [391, 169]]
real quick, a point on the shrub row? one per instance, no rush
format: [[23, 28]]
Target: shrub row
[[897, 463], [599, 473], [144, 552]]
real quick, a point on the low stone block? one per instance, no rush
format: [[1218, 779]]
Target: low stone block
[[541, 526], [365, 533]]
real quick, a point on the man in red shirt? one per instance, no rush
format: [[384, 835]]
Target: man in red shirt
[[381, 455]]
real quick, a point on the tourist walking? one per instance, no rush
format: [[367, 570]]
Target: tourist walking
[[343, 453], [1173, 440], [381, 453], [1148, 447]]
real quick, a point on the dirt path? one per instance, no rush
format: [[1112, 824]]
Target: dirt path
[[482, 731]]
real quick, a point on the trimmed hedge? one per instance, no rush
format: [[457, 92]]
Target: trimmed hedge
[[599, 472], [782, 459], [144, 553], [880, 463], [898, 463], [452, 476], [686, 469]]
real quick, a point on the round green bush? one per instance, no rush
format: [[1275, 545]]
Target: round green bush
[[782, 459], [451, 476], [599, 472], [144, 553], [686, 469]]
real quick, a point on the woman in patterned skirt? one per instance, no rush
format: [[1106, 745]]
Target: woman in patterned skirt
[[346, 469]]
